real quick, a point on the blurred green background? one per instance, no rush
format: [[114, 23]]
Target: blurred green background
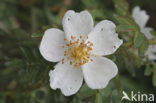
[[24, 73]]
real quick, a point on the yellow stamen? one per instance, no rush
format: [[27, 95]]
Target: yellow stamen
[[87, 37], [73, 37], [78, 52], [65, 39], [62, 61]]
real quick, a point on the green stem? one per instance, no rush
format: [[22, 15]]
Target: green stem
[[98, 98]]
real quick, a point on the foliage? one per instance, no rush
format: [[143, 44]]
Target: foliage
[[24, 73]]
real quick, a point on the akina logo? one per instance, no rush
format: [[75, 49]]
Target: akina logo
[[137, 96]]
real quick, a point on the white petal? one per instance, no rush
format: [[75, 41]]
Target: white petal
[[151, 52], [140, 16], [77, 24], [98, 73], [66, 78], [146, 31], [104, 38], [51, 45]]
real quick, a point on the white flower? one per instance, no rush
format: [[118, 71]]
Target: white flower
[[79, 50], [141, 18]]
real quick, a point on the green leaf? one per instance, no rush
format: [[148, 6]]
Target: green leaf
[[53, 19], [143, 47], [98, 98], [121, 7], [128, 20], [121, 28], [85, 92], [90, 3], [97, 13], [27, 54], [138, 39], [153, 32], [148, 70], [106, 91], [37, 34]]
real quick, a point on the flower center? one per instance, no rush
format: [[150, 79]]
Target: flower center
[[78, 52]]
